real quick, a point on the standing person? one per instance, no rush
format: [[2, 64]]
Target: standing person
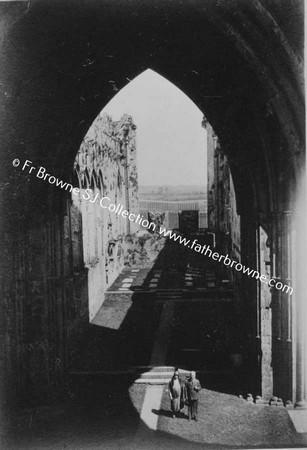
[[193, 387], [174, 390]]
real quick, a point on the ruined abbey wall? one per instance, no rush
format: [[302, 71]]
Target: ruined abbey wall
[[223, 218], [106, 173]]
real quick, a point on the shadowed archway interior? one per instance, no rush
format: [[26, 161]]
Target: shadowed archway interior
[[239, 62]]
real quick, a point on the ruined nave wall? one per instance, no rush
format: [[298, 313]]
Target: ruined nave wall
[[106, 169]]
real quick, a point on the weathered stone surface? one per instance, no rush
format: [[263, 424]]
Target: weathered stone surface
[[223, 217], [260, 401], [249, 398], [106, 169]]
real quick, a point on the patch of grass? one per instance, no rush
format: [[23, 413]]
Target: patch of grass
[[227, 420]]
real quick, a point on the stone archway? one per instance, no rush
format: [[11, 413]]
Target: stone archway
[[246, 74]]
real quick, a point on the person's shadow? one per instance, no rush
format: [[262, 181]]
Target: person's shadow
[[168, 413]]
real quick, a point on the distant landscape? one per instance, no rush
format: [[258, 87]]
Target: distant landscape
[[173, 193]]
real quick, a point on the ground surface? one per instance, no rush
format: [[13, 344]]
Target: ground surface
[[225, 421], [176, 267], [105, 405], [110, 420]]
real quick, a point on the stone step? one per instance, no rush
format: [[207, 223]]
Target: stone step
[[162, 291], [152, 380], [169, 295], [167, 375], [159, 378], [169, 292], [168, 369], [156, 375]]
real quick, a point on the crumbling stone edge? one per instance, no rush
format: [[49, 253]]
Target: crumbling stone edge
[[273, 401]]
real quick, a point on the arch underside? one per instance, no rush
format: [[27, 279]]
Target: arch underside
[[246, 80]]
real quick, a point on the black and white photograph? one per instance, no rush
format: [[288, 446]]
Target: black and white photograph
[[153, 225]]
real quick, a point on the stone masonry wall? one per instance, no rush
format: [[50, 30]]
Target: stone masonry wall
[[222, 209], [106, 166]]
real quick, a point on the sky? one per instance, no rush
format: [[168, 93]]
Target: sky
[[171, 143]]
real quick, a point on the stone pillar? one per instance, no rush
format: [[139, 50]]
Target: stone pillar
[[299, 293], [212, 177], [250, 306], [202, 220], [173, 220], [282, 309], [300, 370], [264, 311], [255, 245]]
